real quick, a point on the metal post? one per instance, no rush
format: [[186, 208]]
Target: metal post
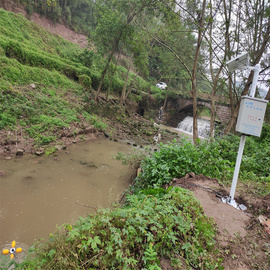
[[236, 170], [231, 200], [257, 69]]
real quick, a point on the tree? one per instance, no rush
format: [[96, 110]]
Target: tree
[[136, 45], [259, 43], [229, 38], [194, 71], [169, 38], [115, 25], [268, 95]]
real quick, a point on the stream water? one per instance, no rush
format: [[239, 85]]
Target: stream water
[[39, 193], [186, 127]]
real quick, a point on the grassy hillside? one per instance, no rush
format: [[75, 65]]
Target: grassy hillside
[[47, 83]]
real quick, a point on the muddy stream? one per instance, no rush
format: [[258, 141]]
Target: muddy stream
[[40, 193]]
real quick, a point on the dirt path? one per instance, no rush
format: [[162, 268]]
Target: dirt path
[[242, 240]]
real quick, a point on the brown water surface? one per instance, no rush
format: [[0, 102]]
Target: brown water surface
[[39, 193]]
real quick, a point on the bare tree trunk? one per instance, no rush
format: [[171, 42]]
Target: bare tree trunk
[[130, 86], [194, 73], [165, 101], [228, 13], [114, 70], [268, 95], [213, 113], [231, 96], [214, 77], [107, 66], [213, 98], [123, 96]]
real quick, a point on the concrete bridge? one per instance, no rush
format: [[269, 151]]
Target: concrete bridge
[[178, 108]]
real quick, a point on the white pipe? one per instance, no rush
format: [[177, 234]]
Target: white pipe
[[257, 69], [237, 167]]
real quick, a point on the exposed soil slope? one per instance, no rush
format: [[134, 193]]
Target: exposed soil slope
[[55, 28]]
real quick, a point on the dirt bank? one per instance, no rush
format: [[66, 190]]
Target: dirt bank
[[55, 28], [242, 240]]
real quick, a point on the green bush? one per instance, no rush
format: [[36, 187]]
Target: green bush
[[2, 52], [174, 160], [86, 58], [85, 81], [114, 83], [215, 159], [152, 224], [96, 76]]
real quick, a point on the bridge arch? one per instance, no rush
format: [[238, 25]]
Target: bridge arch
[[178, 109]]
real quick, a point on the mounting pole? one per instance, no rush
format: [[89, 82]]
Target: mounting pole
[[256, 69], [231, 200]]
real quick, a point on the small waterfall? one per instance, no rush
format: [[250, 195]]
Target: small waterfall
[[187, 126]]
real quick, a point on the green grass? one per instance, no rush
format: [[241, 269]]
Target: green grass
[[62, 72], [34, 46], [14, 73], [31, 55], [16, 27]]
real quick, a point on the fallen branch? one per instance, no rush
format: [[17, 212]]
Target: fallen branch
[[85, 205]]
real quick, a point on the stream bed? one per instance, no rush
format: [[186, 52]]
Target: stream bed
[[37, 194]]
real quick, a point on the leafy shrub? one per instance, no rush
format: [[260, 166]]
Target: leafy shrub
[[265, 135], [43, 140], [169, 223], [86, 58], [256, 152], [115, 83], [174, 160], [85, 81], [214, 159], [96, 76]]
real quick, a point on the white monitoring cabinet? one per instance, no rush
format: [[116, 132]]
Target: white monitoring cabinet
[[251, 115]]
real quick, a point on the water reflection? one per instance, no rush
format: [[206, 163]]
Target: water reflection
[[39, 193]]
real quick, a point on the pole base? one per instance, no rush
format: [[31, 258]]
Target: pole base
[[233, 203]]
